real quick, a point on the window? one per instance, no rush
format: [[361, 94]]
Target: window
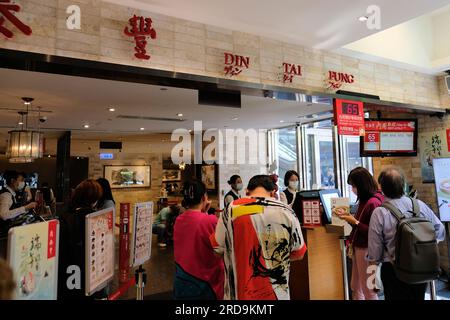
[[286, 152]]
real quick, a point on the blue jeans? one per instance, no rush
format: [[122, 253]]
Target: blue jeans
[[160, 230]]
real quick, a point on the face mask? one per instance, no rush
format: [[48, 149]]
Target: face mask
[[239, 186], [293, 184], [21, 185]]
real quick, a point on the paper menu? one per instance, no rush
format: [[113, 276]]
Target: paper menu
[[142, 240], [344, 204]]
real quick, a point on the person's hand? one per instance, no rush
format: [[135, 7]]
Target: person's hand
[[207, 206], [339, 212], [349, 218], [31, 205]]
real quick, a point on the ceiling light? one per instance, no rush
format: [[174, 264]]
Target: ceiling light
[[20, 123], [111, 109], [142, 129], [86, 126], [179, 114], [281, 121], [49, 156], [363, 18], [235, 118]]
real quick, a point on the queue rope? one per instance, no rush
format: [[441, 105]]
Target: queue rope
[[122, 290]]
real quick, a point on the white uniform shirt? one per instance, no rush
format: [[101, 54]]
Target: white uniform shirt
[[6, 201]]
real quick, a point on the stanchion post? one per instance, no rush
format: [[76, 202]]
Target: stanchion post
[[141, 280], [433, 290], [344, 267]]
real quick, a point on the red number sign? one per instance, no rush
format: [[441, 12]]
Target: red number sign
[[349, 117]]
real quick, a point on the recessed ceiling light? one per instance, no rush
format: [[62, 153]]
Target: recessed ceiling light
[[49, 156], [112, 109], [190, 131], [20, 123], [142, 129], [86, 126], [363, 18], [179, 114], [235, 118], [281, 121]]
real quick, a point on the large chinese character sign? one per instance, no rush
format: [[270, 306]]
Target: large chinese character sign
[[140, 28]]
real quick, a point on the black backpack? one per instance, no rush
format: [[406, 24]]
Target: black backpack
[[416, 249]]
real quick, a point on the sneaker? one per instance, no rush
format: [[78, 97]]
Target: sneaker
[[162, 245]]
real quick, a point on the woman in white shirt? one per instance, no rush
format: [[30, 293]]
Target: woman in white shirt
[[236, 185], [291, 181]]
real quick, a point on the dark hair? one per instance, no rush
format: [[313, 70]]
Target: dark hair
[[10, 175], [21, 173], [261, 180], [233, 179], [193, 191], [86, 194], [392, 181], [363, 181], [288, 175], [107, 193]]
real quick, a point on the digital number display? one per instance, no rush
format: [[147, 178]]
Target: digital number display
[[350, 108]]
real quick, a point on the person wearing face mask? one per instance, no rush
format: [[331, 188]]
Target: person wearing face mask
[[23, 195], [10, 206], [199, 273], [72, 238], [291, 181], [236, 185]]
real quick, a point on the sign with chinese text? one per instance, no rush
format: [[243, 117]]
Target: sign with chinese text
[[389, 136], [142, 235], [448, 140], [290, 71], [33, 257], [6, 13], [336, 80], [235, 64], [99, 249], [349, 117], [141, 28], [432, 145]]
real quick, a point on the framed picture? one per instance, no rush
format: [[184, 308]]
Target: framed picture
[[209, 176], [127, 176], [171, 175]]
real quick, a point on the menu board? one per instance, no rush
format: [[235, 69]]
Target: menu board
[[33, 257], [142, 239], [99, 249], [441, 169], [311, 213], [343, 204], [349, 117], [389, 137]]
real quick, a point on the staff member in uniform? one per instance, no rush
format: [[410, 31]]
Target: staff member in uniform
[[236, 185], [291, 179], [10, 208]]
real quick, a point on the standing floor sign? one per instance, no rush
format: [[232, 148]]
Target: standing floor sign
[[441, 167], [33, 256], [142, 235], [99, 249]]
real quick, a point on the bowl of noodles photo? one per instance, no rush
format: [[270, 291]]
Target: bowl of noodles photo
[[445, 186]]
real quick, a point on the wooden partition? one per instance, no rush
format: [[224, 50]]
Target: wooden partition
[[319, 275]]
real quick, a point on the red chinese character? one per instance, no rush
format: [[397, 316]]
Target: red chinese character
[[232, 71], [5, 11], [140, 28], [288, 77]]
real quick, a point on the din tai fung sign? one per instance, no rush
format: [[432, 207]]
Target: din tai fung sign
[[290, 71], [7, 10], [140, 28], [235, 64], [336, 80]]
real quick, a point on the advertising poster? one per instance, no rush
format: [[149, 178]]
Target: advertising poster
[[142, 236], [33, 256], [432, 145], [349, 117], [442, 181], [99, 249]]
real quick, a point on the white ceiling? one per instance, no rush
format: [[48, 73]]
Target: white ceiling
[[324, 24], [75, 101]]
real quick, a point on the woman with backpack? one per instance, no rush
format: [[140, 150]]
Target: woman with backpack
[[366, 189]]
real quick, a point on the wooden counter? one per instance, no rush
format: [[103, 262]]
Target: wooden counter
[[319, 275]]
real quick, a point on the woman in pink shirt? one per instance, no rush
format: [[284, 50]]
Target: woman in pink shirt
[[199, 273]]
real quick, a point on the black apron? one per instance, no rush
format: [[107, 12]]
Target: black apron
[[230, 193]]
